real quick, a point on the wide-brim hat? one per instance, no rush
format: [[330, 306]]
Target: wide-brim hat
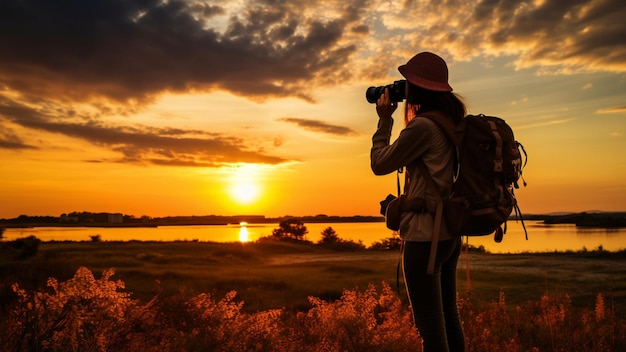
[[428, 71]]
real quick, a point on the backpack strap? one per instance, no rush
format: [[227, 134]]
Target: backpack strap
[[438, 216], [451, 129], [498, 161], [454, 132]]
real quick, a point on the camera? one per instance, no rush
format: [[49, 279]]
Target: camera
[[385, 203], [396, 92]]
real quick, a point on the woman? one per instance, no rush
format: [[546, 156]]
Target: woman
[[432, 296]]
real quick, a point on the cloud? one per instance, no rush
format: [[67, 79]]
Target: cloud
[[542, 124], [67, 67], [10, 140], [131, 50], [126, 50], [319, 126], [138, 144], [554, 36], [613, 109], [114, 56]]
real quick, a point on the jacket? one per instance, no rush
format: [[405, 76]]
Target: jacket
[[421, 138]]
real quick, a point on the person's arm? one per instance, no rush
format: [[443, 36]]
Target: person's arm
[[412, 143], [384, 108]]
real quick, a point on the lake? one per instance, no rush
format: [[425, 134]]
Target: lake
[[541, 238]]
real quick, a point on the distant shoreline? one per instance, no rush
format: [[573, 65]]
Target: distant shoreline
[[591, 220], [210, 220]]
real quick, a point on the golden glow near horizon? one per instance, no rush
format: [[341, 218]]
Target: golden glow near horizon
[[273, 120]]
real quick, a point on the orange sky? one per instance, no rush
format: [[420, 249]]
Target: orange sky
[[236, 107]]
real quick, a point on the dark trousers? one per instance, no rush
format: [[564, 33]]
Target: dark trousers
[[433, 297]]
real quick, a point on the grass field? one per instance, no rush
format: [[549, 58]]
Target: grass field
[[281, 274], [293, 296]]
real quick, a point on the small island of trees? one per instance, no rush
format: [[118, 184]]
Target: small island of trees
[[294, 229]]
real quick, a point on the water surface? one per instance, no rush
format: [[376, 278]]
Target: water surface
[[541, 238]]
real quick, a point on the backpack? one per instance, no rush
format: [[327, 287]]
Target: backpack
[[489, 167]]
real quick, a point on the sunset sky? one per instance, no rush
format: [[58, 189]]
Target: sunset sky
[[258, 107]]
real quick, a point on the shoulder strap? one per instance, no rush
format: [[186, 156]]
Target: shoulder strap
[[438, 216], [454, 133], [452, 130]]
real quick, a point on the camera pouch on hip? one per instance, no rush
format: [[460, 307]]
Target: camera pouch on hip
[[390, 208]]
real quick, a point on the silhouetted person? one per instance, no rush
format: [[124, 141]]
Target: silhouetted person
[[432, 296]]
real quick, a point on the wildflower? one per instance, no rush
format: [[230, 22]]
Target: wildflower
[[600, 309]]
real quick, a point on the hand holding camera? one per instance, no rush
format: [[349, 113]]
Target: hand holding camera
[[386, 98], [396, 92]]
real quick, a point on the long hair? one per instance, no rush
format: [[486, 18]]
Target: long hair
[[427, 100]]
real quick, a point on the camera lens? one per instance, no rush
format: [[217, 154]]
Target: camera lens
[[396, 92], [373, 93]]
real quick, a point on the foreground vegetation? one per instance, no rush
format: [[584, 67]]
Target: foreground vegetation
[[289, 295]]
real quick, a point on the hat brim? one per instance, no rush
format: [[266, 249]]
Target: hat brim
[[423, 82]]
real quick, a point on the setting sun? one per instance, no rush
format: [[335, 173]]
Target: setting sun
[[245, 187], [244, 193]]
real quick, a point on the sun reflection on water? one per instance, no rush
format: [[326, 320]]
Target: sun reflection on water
[[244, 235]]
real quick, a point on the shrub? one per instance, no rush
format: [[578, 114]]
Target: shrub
[[293, 228], [85, 313], [549, 324], [21, 248], [80, 312], [330, 239], [389, 243], [359, 321]]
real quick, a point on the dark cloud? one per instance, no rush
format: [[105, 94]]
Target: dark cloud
[[132, 49], [138, 144], [10, 140], [556, 36], [361, 29], [319, 126], [117, 55]]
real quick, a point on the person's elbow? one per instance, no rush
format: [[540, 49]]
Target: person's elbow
[[380, 162], [378, 169]]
